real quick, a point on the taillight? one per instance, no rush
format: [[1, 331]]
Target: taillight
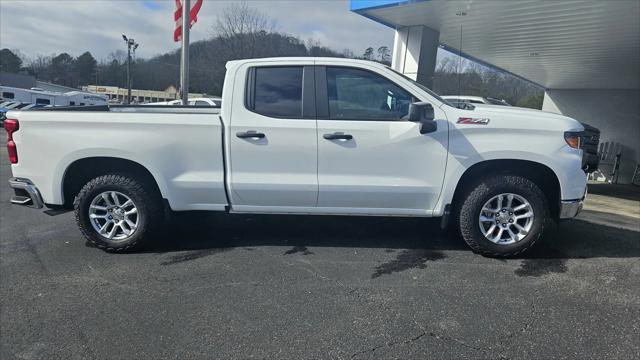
[[11, 126]]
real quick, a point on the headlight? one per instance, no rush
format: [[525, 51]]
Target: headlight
[[573, 138]]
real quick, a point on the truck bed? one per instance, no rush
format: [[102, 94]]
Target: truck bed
[[181, 146]]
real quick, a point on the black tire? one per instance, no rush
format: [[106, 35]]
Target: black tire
[[146, 199], [483, 191]]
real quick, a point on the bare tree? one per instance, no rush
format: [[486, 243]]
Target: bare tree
[[368, 53], [240, 28], [384, 54]]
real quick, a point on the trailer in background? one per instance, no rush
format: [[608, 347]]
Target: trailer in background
[[41, 97]]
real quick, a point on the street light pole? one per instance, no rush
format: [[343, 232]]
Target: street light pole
[[128, 74], [130, 44], [184, 68]]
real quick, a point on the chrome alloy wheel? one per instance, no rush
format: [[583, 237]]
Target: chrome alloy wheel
[[114, 215], [506, 219]]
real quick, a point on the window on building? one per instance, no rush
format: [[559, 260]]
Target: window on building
[[277, 92], [72, 103], [8, 95], [43, 101], [356, 94]]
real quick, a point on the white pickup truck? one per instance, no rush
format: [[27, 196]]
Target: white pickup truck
[[304, 136]]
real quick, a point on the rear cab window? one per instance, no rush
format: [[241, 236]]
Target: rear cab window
[[275, 91]]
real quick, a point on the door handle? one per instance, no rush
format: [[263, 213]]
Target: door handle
[[251, 134], [338, 136]]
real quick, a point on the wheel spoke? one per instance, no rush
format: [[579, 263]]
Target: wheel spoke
[[131, 224], [497, 238], [124, 229], [127, 203], [487, 219], [509, 200], [106, 199], [521, 230], [97, 216], [491, 229], [513, 236], [98, 207], [520, 207], [114, 196], [524, 216], [104, 227], [113, 231], [132, 211]]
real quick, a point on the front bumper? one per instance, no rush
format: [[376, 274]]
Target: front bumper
[[26, 193], [570, 209]]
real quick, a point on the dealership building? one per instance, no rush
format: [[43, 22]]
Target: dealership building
[[585, 54]]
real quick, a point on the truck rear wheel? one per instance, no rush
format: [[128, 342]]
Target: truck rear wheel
[[117, 212], [503, 216]]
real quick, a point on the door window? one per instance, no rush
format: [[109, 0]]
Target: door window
[[356, 94], [277, 92]]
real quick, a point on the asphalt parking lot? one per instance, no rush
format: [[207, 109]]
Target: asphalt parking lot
[[219, 286]]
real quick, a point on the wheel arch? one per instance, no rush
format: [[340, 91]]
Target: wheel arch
[[542, 175], [80, 171]]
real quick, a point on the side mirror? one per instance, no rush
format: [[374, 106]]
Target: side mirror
[[423, 113]]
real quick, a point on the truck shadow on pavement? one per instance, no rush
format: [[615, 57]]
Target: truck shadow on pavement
[[413, 241]]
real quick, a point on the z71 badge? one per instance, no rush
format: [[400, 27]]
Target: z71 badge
[[473, 121]]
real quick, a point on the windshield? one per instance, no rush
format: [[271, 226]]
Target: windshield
[[429, 91], [13, 106]]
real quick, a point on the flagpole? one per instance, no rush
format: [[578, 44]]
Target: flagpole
[[184, 63]]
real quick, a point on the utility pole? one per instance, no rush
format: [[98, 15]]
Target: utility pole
[[130, 44], [184, 63]]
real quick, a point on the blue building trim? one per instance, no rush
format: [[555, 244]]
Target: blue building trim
[[362, 6], [358, 5]]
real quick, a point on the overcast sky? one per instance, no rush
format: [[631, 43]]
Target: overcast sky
[[48, 26]]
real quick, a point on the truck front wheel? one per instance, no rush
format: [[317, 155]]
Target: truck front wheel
[[503, 215], [117, 212]]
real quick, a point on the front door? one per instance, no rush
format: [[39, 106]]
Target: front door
[[273, 145], [371, 159]]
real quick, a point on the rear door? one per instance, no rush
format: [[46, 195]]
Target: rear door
[[273, 138], [371, 159]]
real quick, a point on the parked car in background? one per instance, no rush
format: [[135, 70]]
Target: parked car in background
[[14, 105], [460, 100], [304, 136], [215, 102]]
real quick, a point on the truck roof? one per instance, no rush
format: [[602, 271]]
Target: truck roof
[[306, 58]]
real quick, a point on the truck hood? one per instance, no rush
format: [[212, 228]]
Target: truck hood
[[517, 117]]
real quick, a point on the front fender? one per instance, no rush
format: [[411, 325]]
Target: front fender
[[563, 161]]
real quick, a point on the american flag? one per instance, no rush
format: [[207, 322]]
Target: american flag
[[177, 16]]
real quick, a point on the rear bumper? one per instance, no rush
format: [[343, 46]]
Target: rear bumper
[[25, 193]]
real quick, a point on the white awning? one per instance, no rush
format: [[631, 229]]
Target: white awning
[[557, 44]]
